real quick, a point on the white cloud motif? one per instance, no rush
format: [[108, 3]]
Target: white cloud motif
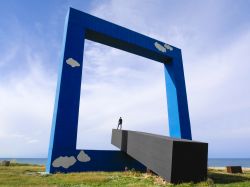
[[83, 157], [168, 47], [163, 48], [160, 47], [73, 63], [64, 161]]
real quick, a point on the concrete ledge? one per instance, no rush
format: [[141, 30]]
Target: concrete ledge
[[176, 160]]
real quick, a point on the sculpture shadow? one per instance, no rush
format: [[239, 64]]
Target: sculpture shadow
[[223, 178]]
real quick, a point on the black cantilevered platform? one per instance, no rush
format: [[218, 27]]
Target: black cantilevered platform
[[176, 160]]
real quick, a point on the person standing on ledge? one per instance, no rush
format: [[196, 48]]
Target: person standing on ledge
[[119, 123]]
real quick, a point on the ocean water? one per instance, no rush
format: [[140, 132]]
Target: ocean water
[[222, 162], [38, 161], [212, 162]]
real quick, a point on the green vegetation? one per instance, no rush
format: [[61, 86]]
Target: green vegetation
[[28, 175]]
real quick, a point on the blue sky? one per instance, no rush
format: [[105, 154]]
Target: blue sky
[[215, 40]]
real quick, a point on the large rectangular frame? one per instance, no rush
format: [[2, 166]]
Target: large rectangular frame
[[63, 155]]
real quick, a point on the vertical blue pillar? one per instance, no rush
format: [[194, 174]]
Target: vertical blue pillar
[[178, 115], [65, 117]]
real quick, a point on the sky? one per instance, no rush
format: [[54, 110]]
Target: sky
[[214, 37]]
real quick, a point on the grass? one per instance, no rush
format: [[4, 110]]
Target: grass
[[28, 175]]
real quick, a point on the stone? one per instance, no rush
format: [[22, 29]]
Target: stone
[[5, 163], [234, 169]]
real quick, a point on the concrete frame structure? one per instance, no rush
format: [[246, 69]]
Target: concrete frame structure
[[63, 156]]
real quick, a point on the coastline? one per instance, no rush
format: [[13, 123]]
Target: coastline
[[224, 168], [212, 162]]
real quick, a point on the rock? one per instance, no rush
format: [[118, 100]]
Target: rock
[[234, 169], [5, 163]]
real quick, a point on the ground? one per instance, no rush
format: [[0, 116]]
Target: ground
[[28, 175]]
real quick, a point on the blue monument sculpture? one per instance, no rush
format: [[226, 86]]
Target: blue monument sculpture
[[63, 155]]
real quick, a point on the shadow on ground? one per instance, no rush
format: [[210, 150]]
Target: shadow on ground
[[223, 178]]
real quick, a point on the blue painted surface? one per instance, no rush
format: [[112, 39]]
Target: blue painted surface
[[101, 160], [178, 115], [80, 26]]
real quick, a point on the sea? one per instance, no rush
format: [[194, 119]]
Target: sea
[[212, 162]]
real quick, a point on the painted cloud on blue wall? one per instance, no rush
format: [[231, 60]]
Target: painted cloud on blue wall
[[64, 161]]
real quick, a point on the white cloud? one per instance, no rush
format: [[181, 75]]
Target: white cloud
[[83, 157], [64, 161], [32, 141], [26, 98], [160, 47], [73, 63], [218, 98]]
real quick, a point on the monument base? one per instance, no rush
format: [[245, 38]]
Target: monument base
[[176, 160]]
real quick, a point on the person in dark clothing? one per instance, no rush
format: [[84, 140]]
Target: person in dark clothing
[[119, 123]]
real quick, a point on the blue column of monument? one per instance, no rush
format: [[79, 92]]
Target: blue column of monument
[[178, 115], [65, 117]]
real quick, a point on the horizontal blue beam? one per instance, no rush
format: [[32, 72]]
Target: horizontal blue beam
[[113, 35]]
